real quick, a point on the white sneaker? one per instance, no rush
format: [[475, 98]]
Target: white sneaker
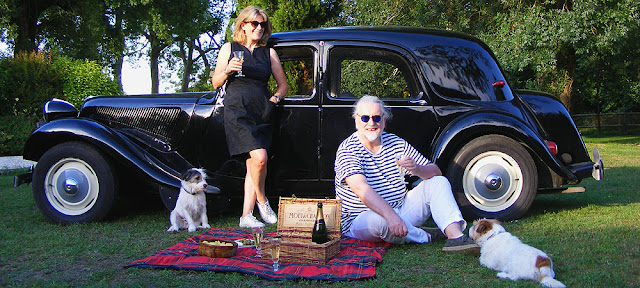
[[250, 222], [267, 213]]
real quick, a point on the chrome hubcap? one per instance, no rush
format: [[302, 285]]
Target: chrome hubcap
[[71, 186], [493, 182]]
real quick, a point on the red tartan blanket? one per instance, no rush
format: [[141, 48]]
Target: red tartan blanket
[[357, 259]]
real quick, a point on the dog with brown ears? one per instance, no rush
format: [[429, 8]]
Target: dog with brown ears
[[501, 251], [191, 207]]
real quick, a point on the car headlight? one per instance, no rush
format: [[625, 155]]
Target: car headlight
[[57, 108]]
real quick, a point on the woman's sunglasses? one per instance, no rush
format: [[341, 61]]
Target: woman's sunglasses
[[375, 118], [256, 23]]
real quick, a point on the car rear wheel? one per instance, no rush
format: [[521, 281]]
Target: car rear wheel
[[73, 183], [493, 176]]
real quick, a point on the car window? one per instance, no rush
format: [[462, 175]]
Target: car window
[[358, 71], [462, 69], [297, 62]]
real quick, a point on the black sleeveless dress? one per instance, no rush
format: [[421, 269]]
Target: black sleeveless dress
[[247, 109]]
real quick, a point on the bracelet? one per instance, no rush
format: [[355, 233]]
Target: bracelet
[[277, 99]]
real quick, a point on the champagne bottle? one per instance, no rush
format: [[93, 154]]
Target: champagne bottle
[[319, 234]]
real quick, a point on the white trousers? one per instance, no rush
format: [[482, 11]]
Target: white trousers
[[432, 197]]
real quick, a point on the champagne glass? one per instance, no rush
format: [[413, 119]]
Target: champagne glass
[[239, 55], [401, 170], [257, 237], [275, 252]]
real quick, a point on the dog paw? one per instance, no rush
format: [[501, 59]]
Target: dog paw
[[192, 229], [205, 226], [172, 230], [505, 275]]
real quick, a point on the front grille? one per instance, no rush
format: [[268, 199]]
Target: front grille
[[159, 122]]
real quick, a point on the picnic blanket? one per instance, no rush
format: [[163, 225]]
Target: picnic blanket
[[357, 259]]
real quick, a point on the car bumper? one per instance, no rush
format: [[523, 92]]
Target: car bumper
[[589, 169]]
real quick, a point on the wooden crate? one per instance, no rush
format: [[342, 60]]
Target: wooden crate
[[296, 217]]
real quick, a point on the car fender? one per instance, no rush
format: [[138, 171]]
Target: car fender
[[457, 133], [112, 142]]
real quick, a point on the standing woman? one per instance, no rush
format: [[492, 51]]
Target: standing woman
[[248, 105]]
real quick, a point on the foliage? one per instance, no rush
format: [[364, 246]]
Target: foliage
[[584, 51], [28, 81], [289, 15], [82, 78], [374, 78], [31, 79], [14, 132]]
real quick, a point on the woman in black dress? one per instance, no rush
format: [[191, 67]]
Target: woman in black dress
[[248, 104]]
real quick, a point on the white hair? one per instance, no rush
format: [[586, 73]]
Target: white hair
[[386, 114]]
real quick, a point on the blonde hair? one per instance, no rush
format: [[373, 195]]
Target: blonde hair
[[248, 14]]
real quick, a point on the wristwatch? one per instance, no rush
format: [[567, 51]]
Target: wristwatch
[[277, 99]]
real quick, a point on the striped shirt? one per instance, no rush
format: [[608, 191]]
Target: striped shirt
[[380, 170]]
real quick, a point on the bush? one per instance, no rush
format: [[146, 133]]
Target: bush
[[27, 82], [82, 78], [14, 132]]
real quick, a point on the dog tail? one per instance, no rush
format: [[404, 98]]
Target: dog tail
[[548, 281], [546, 273]]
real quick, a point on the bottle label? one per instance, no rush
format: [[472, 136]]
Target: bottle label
[[304, 215]]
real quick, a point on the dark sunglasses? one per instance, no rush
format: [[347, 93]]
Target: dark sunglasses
[[375, 118], [256, 23]]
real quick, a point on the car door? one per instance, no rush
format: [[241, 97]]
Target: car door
[[386, 71], [294, 163]]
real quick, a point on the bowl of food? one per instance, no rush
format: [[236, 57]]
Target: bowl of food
[[245, 243], [216, 248]]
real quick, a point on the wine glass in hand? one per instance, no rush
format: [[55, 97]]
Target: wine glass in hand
[[401, 170], [239, 55]]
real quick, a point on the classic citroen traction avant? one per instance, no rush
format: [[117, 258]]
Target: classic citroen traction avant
[[498, 146]]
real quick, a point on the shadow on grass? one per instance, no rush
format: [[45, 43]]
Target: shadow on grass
[[612, 136], [619, 187]]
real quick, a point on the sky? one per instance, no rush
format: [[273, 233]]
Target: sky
[[136, 78]]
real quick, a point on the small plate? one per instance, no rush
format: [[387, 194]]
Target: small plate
[[243, 243]]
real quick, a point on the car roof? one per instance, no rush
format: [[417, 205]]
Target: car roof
[[384, 34]]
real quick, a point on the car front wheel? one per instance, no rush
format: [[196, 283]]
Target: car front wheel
[[493, 176], [74, 183]]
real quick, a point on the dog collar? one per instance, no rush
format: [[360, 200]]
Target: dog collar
[[493, 235]]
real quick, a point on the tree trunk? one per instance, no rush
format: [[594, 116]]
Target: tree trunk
[[27, 30], [118, 35], [566, 58], [187, 61], [154, 55]]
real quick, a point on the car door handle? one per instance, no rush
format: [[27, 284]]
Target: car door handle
[[418, 102]]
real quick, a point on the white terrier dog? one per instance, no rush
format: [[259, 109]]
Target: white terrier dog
[[501, 251], [191, 205]]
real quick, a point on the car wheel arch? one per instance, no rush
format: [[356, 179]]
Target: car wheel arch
[[460, 132], [115, 146]]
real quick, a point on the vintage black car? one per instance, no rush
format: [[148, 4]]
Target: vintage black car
[[498, 146]]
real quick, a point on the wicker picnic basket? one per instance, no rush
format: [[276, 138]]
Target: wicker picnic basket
[[296, 217]]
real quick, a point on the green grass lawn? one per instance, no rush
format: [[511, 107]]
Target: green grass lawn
[[592, 237]]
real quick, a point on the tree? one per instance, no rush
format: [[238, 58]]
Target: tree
[[21, 18], [171, 22], [547, 45], [199, 37]]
